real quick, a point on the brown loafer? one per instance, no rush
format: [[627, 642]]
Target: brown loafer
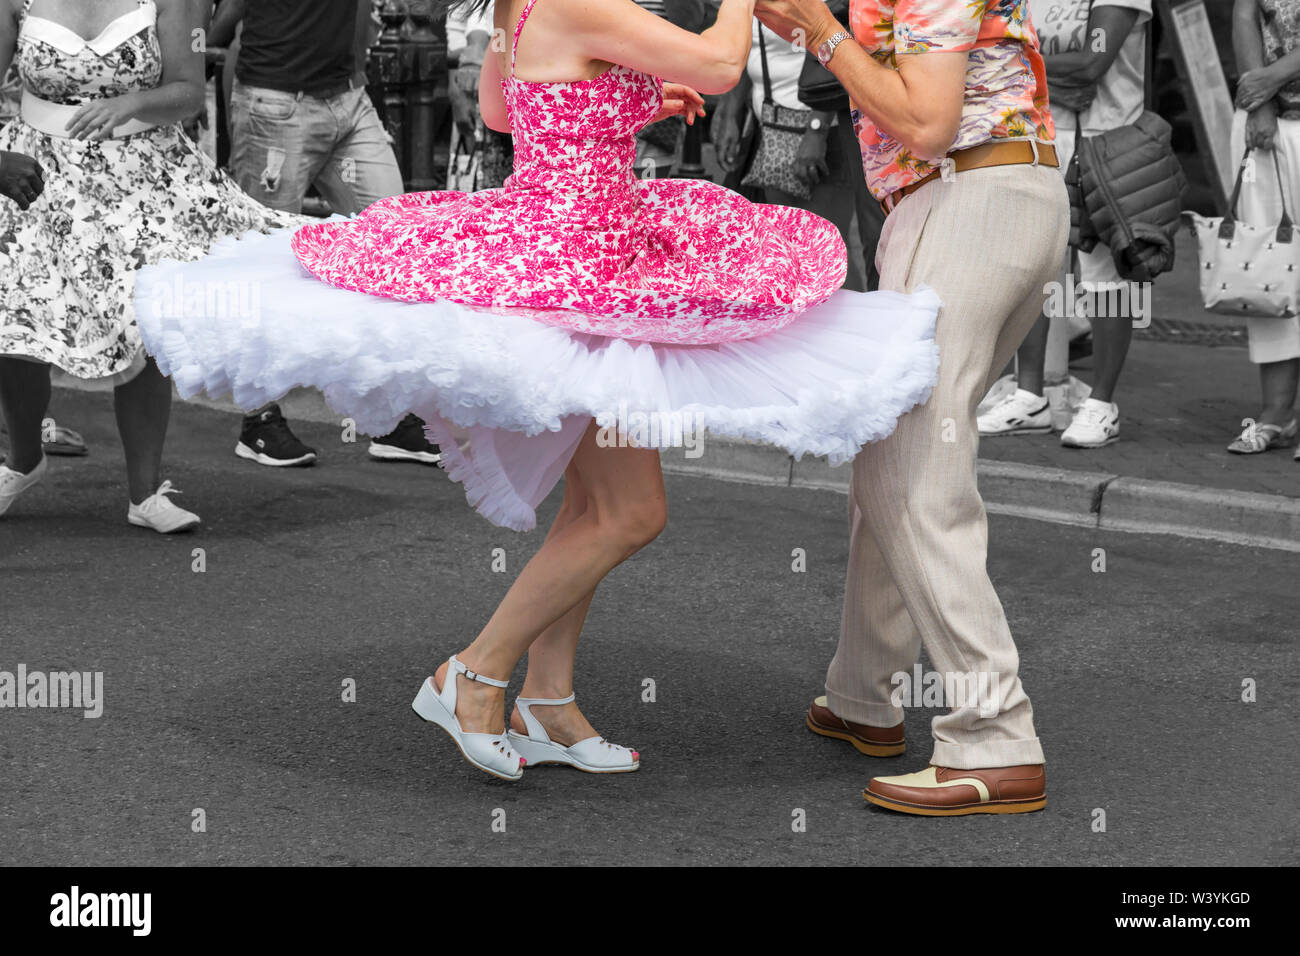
[[872, 741], [944, 792]]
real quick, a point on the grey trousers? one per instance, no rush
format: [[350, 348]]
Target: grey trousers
[[988, 241]]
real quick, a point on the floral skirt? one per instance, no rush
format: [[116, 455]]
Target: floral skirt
[[109, 207]]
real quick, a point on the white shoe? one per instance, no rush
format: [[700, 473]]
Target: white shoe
[[1065, 399], [1020, 413], [14, 483], [157, 512], [594, 755], [1000, 389], [1095, 425], [491, 753]]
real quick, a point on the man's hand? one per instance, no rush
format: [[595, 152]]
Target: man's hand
[[806, 23], [20, 178], [1261, 127]]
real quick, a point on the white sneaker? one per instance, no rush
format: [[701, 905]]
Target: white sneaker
[[14, 483], [1065, 399], [1000, 389], [1020, 413], [159, 513], [1095, 425]]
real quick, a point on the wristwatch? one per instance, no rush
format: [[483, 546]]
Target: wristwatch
[[827, 49]]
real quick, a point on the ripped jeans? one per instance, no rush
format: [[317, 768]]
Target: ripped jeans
[[281, 143]]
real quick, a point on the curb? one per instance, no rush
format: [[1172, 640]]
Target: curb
[[1090, 499]]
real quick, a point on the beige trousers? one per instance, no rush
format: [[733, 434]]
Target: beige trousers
[[988, 242]]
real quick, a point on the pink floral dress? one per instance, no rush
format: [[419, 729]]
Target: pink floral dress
[[578, 241]]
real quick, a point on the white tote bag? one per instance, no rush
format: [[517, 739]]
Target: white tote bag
[[1250, 269]]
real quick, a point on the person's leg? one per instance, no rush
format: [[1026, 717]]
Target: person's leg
[[279, 142], [1278, 382], [626, 510], [24, 398], [361, 167], [867, 212], [1030, 357], [878, 638], [143, 409], [916, 490], [828, 200], [551, 657], [1111, 315]]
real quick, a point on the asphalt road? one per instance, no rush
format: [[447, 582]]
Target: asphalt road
[[223, 688]]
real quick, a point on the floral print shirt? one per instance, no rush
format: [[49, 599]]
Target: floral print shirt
[[1280, 22], [1006, 82]]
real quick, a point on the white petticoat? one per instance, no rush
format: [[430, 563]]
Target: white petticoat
[[509, 398]]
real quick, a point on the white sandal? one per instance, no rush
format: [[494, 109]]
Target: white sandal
[[593, 755], [488, 752]]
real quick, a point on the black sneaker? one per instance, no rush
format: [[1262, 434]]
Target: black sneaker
[[406, 442], [266, 439]]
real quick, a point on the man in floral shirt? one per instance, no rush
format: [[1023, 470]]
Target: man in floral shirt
[[951, 112]]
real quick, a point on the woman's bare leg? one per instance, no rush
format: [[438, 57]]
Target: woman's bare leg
[[626, 509], [551, 656], [143, 406], [24, 397]]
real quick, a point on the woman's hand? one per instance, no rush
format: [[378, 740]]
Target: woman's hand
[[805, 23], [1261, 127], [1256, 87], [98, 118], [680, 100]]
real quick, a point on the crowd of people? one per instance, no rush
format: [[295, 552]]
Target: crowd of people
[[301, 121]]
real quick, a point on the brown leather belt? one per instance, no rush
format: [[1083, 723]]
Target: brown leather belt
[[1014, 153]]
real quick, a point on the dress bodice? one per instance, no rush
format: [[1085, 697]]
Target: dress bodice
[[57, 64], [577, 140]]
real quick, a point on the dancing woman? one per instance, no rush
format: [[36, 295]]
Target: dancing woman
[[106, 86], [525, 318]]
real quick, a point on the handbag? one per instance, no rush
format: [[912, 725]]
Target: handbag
[[818, 87], [782, 130], [1247, 268]]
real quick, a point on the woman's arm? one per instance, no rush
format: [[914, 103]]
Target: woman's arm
[[1248, 45], [919, 104], [177, 97], [619, 31], [8, 32], [491, 101], [1257, 83], [1247, 37], [566, 37]]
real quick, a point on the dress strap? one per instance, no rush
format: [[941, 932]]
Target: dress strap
[[514, 47]]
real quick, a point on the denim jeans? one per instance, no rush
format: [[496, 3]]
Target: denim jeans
[[281, 143]]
